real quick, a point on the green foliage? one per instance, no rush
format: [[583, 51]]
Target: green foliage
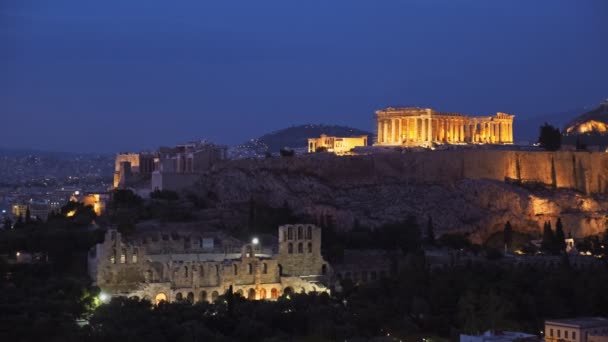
[[550, 137], [455, 241], [164, 195], [286, 152]]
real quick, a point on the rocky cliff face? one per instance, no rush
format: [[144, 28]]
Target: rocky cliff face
[[376, 190]]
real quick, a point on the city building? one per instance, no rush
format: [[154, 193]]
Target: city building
[[181, 166], [168, 168], [97, 201], [499, 336], [575, 329], [414, 126], [194, 265], [19, 209], [337, 145]]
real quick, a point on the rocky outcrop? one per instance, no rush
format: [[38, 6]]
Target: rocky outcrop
[[468, 191]]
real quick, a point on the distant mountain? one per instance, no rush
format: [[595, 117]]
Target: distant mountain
[[295, 137], [20, 152], [528, 129]]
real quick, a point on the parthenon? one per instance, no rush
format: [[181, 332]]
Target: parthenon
[[414, 126]]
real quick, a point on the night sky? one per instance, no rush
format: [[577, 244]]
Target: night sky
[[108, 76]]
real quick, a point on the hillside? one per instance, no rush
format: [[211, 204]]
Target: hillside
[[294, 137]]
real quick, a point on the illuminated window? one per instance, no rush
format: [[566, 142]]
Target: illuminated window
[[113, 257], [274, 293], [290, 248], [300, 248], [123, 256]]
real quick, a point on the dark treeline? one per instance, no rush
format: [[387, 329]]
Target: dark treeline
[[440, 303]]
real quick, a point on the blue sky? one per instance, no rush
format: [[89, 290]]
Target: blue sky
[[89, 75]]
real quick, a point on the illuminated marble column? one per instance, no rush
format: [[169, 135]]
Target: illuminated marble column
[[462, 137], [385, 135]]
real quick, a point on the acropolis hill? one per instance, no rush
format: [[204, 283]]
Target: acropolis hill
[[463, 190]]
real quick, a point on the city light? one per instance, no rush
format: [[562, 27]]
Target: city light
[[255, 241]]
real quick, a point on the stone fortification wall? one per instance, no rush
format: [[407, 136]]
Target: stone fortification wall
[[582, 171]]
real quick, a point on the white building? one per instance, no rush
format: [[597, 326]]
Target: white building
[[574, 329]]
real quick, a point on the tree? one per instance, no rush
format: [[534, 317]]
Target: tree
[[286, 152], [7, 224], [508, 235], [28, 216], [430, 232], [549, 137], [548, 242], [19, 223], [560, 238]]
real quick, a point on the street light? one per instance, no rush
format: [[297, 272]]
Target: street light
[[104, 297], [255, 241]]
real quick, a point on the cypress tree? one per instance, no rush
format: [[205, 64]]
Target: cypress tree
[[508, 235], [430, 232], [560, 237], [548, 242]]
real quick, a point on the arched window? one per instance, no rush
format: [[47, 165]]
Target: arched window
[[274, 293], [249, 268], [123, 256], [262, 293], [214, 296], [134, 256], [280, 268], [201, 271], [300, 236], [290, 233], [235, 269], [310, 247], [203, 296], [309, 233], [185, 271], [264, 268], [300, 248], [113, 256], [179, 297], [251, 294], [190, 297], [290, 248], [239, 292]]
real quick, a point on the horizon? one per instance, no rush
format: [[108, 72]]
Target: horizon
[[82, 76]]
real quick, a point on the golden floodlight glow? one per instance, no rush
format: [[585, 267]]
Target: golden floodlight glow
[[71, 213]]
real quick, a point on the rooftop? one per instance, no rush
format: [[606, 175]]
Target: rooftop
[[580, 322]]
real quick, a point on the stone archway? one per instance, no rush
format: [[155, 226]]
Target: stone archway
[[251, 294], [274, 293], [262, 293], [214, 296], [161, 297]]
